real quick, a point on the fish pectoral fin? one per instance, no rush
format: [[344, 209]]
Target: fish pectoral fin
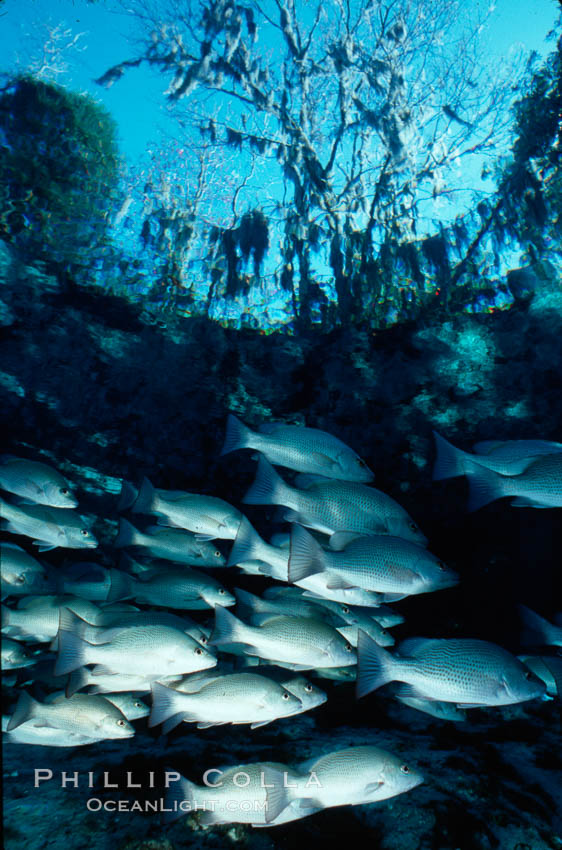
[[309, 803], [337, 583], [407, 690], [323, 460], [102, 670], [373, 786], [204, 538], [260, 723], [43, 546], [524, 502], [165, 521]]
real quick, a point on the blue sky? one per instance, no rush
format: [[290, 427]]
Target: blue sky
[[136, 100], [103, 34]]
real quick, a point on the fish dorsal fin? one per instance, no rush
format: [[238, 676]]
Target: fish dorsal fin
[[413, 646], [340, 539], [307, 479]]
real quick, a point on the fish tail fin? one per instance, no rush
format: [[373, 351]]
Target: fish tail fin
[[246, 544], [485, 486], [127, 496], [449, 461], [374, 665], [120, 587], [249, 602], [72, 653], [69, 621], [538, 630], [238, 435], [306, 555], [277, 794], [145, 499], [127, 534], [25, 709], [227, 627], [164, 704], [77, 680], [268, 486], [180, 792]]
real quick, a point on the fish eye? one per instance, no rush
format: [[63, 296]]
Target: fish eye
[[348, 647], [217, 553], [285, 695], [308, 688], [84, 532], [441, 566], [120, 722], [528, 675], [64, 491], [198, 651], [221, 591], [344, 609], [137, 704], [203, 639], [20, 579], [404, 768], [413, 526]]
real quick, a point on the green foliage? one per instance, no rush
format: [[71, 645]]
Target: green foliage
[[59, 170], [531, 189]]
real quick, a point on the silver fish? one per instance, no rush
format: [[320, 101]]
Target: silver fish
[[253, 793], [86, 580], [171, 544], [49, 527], [538, 486], [468, 672], [357, 616], [378, 563], [331, 506], [309, 695], [292, 606], [112, 683], [355, 776], [299, 448], [274, 562], [233, 698], [22, 574], [181, 588], [130, 705], [83, 714], [44, 736], [508, 458], [14, 656], [300, 640], [108, 619], [206, 516], [36, 482], [150, 650], [37, 617]]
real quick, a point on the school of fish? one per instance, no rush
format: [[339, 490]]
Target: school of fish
[[99, 638]]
